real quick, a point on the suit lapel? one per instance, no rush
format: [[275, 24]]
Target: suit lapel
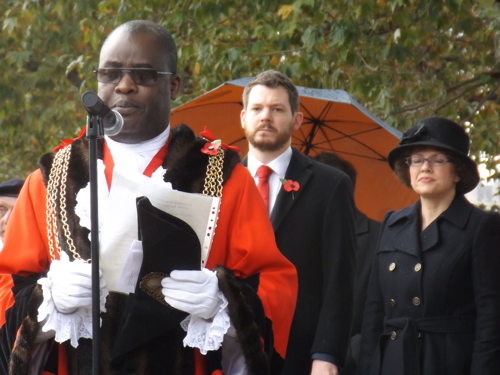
[[362, 223], [300, 170]]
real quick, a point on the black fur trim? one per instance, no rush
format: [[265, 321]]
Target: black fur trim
[[245, 311], [185, 163], [21, 354]]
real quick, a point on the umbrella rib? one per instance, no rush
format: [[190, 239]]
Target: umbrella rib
[[319, 125], [331, 148], [317, 122], [353, 134]]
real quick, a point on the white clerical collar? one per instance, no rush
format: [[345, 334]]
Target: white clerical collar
[[137, 154], [145, 146]]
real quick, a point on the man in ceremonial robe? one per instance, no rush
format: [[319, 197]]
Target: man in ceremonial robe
[[230, 310]]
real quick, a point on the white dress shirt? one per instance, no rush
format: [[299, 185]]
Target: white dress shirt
[[279, 166]]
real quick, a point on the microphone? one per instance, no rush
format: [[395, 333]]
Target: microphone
[[112, 121]]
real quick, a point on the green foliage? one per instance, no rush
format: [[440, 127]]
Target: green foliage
[[402, 59]]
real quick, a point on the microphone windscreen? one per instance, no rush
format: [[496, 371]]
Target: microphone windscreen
[[112, 123]]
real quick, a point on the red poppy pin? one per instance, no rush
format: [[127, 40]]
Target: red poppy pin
[[213, 144], [211, 148], [290, 186]]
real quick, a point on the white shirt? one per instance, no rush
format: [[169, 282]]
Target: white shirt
[[137, 155], [279, 166], [117, 205]]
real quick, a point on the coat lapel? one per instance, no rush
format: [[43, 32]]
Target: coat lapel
[[300, 170], [430, 236], [405, 232], [457, 214]]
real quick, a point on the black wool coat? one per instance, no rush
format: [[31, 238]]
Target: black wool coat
[[314, 229], [433, 304]]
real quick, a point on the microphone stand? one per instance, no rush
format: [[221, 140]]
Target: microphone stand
[[94, 132]]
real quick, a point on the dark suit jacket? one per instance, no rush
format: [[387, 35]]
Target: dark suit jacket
[[366, 243], [314, 229], [433, 303]]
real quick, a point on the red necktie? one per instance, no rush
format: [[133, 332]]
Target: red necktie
[[263, 173]]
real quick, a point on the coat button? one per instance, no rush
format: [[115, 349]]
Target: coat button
[[392, 266], [418, 267], [392, 302], [416, 301], [394, 335]]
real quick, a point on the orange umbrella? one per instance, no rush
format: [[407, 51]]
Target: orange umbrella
[[333, 122]]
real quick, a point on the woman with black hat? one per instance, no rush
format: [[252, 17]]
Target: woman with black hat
[[433, 303]]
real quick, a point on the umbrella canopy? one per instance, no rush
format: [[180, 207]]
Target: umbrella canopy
[[333, 122]]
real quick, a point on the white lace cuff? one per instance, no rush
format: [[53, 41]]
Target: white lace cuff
[[207, 334], [73, 326]]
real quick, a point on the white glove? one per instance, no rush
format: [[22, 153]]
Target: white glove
[[194, 292], [71, 286]]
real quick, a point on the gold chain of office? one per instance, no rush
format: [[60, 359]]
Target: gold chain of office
[[213, 176], [56, 197], [56, 204]]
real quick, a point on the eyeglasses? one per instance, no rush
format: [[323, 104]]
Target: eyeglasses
[[141, 76], [434, 161]]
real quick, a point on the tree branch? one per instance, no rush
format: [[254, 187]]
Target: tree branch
[[481, 102], [372, 68], [414, 107], [472, 83], [455, 97], [279, 52], [494, 74]]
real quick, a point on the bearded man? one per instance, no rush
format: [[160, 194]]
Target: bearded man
[[311, 209]]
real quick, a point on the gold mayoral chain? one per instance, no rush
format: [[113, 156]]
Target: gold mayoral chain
[[56, 193], [213, 177]]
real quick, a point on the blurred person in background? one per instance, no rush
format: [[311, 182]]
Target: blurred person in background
[[366, 240], [9, 190]]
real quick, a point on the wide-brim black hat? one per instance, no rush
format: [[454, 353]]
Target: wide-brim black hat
[[11, 188], [442, 134]]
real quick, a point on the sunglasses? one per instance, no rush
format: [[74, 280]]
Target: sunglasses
[[141, 76]]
